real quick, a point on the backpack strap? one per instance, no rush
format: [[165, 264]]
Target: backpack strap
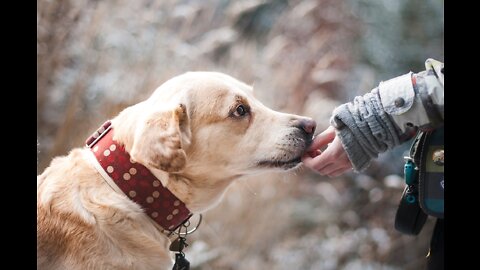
[[431, 174]]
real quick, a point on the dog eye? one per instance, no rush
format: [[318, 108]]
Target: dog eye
[[240, 111]]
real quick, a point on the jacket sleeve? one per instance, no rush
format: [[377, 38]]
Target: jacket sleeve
[[390, 114], [415, 100]]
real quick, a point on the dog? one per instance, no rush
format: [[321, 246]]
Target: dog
[[103, 206]]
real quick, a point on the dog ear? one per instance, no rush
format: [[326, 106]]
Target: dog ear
[[161, 139]]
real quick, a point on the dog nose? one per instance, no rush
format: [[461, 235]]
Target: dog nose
[[306, 124]]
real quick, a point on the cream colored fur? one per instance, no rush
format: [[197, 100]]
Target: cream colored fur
[[191, 136]]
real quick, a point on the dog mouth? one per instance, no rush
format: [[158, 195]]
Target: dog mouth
[[290, 157], [283, 164]]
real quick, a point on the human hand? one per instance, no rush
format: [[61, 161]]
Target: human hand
[[333, 161]]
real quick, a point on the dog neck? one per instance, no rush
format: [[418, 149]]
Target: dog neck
[[135, 181]]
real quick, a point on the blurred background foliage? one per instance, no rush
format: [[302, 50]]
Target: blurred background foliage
[[95, 58]]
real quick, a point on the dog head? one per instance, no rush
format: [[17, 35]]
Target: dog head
[[208, 124]]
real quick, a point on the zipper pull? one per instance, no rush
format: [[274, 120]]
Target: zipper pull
[[409, 171]]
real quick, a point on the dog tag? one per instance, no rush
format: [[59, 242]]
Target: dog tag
[[178, 244], [180, 262]]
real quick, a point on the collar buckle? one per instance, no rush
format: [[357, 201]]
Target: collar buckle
[[98, 134]]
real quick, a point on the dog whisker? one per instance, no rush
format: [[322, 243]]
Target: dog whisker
[[249, 188]]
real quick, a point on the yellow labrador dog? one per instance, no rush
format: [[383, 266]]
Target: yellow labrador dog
[[113, 203]]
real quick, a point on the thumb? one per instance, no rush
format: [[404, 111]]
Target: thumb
[[322, 139]]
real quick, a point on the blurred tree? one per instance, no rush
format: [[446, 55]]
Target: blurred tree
[[254, 19], [399, 36]]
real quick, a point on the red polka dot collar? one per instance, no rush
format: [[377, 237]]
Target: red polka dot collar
[[135, 180]]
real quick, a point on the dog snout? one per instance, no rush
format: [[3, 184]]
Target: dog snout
[[308, 125]]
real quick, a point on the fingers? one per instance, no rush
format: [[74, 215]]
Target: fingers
[[333, 161], [339, 171], [322, 139], [331, 169], [313, 153], [309, 160], [321, 163]]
